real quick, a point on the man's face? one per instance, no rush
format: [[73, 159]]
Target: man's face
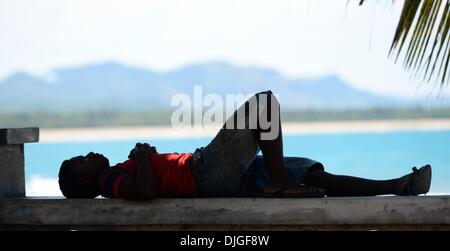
[[89, 166]]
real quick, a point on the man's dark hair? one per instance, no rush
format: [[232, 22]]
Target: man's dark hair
[[68, 179]]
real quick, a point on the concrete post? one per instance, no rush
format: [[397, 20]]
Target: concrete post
[[12, 163]]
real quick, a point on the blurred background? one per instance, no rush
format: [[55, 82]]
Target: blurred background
[[96, 63]]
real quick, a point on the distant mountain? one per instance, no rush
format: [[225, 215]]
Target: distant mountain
[[120, 87]]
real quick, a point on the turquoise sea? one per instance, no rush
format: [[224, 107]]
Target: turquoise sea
[[369, 155]]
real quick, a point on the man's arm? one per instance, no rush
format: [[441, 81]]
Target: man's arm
[[143, 186]]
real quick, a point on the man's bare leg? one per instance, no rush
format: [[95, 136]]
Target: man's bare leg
[[272, 151], [340, 185]]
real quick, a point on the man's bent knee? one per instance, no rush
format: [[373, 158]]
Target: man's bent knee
[[269, 97], [268, 115], [267, 93]]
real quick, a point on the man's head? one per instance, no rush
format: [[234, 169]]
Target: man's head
[[78, 176]]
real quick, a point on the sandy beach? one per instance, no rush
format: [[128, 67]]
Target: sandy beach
[[167, 132]]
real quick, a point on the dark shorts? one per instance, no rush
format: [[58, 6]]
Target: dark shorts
[[229, 166], [256, 176], [218, 167]]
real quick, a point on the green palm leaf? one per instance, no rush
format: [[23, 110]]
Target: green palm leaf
[[422, 22]]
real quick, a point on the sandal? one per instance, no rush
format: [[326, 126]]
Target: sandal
[[419, 182]]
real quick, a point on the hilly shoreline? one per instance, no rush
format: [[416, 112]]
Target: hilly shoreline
[[114, 86]]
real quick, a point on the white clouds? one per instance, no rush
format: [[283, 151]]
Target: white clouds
[[39, 186], [299, 38]]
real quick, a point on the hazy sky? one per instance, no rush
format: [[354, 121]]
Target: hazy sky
[[298, 38]]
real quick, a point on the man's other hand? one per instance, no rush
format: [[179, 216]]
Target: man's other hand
[[142, 149]]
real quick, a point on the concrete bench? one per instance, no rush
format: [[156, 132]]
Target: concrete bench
[[362, 213], [366, 213]]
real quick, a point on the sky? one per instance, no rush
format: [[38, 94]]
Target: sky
[[298, 38]]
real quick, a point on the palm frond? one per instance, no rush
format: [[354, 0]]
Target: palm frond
[[422, 22]]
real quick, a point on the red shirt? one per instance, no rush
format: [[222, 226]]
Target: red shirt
[[173, 176]]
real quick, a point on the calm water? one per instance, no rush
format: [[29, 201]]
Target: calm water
[[370, 155]]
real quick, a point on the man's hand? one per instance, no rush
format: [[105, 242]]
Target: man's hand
[[141, 150], [141, 187]]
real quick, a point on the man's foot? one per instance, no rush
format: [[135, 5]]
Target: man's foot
[[417, 182], [278, 182]]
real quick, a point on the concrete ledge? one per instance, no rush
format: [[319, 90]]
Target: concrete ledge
[[10, 136], [423, 212]]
